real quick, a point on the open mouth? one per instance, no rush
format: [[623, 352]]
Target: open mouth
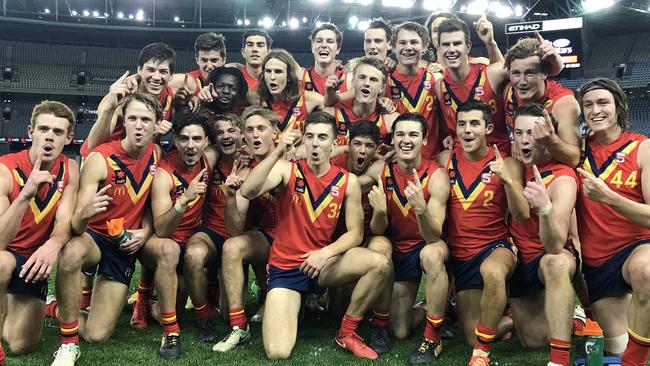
[[48, 149], [526, 152], [406, 147], [227, 144], [360, 161], [452, 57], [365, 92], [138, 135], [273, 86], [469, 139], [224, 100], [597, 119], [323, 53], [314, 155], [257, 144], [373, 53]]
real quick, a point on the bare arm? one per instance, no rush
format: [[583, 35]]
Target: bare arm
[[12, 212], [353, 220], [108, 113], [485, 32], [165, 218], [90, 201], [378, 201], [514, 187], [430, 221], [554, 226], [235, 216], [564, 145]]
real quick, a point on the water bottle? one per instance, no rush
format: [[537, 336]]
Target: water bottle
[[594, 344], [117, 232]]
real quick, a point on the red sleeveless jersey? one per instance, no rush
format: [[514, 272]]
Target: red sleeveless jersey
[[292, 114], [603, 231], [416, 94], [342, 162], [251, 81], [345, 118], [403, 229], [312, 81], [552, 93], [215, 204], [130, 181], [262, 212], [310, 207], [181, 179], [526, 234], [200, 81], [38, 221], [475, 86], [476, 211]]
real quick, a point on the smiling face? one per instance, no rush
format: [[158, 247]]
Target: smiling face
[[528, 79], [408, 140], [275, 76], [408, 48], [254, 51], [471, 130], [208, 61], [139, 123], [599, 109], [228, 138], [375, 43], [368, 83], [453, 49], [259, 135], [155, 75], [49, 135], [190, 143], [324, 47]]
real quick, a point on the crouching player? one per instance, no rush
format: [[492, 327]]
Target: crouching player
[[38, 188], [540, 289], [311, 194]]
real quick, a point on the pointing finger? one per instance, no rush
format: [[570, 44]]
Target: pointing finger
[[380, 182], [497, 154], [103, 190], [123, 77], [539, 38], [538, 177], [585, 173], [38, 162], [416, 177]]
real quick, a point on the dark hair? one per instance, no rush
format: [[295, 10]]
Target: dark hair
[[454, 25], [533, 110], [210, 41], [365, 128], [321, 117], [158, 52], [380, 23], [215, 74], [476, 105], [620, 99], [374, 62], [151, 102], [57, 109], [267, 114], [256, 32], [327, 26], [182, 120], [411, 117], [414, 27], [429, 22], [292, 90]]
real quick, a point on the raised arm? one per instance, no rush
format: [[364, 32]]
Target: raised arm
[[430, 215], [563, 145], [90, 201], [107, 113], [486, 33], [510, 173], [378, 201]]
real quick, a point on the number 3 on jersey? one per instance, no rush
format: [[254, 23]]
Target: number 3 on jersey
[[335, 210]]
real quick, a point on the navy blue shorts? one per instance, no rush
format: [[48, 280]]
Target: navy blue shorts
[[525, 281], [18, 286], [114, 264], [293, 279], [213, 268], [467, 274], [607, 280], [407, 267]]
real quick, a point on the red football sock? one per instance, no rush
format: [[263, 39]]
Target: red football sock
[[69, 332], [144, 291], [170, 325], [52, 310], [86, 295], [2, 355], [349, 325], [238, 318], [380, 318], [560, 351], [637, 351], [432, 327], [204, 310], [484, 337]]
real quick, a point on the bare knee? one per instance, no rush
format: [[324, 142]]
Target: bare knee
[[532, 342], [22, 346], [7, 265], [380, 264], [276, 353], [556, 266], [168, 255], [433, 261], [640, 279], [195, 257], [96, 336], [232, 249], [72, 255], [381, 244], [400, 331], [493, 276]]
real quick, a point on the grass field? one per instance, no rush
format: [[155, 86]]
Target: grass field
[[315, 346]]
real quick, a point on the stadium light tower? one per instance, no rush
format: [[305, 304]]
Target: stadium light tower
[[437, 5], [478, 7], [595, 5]]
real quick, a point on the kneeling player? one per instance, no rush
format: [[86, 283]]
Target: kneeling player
[[311, 194], [38, 188], [540, 289]]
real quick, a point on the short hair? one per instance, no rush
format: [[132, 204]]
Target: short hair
[[411, 117], [158, 52], [429, 22], [265, 113], [620, 99], [414, 27], [380, 23], [151, 102], [476, 105], [292, 90], [524, 48], [374, 62], [365, 128], [229, 117], [327, 26], [533, 110], [318, 117], [256, 32], [182, 120], [210, 41], [214, 75], [57, 109], [454, 25]]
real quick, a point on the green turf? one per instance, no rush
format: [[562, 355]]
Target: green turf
[[315, 346]]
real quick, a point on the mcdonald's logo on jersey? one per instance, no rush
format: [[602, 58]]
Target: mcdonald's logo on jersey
[[119, 191]]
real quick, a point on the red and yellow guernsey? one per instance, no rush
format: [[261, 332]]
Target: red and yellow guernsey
[[310, 207], [552, 93], [38, 222], [312, 81], [603, 231], [215, 205], [251, 81], [345, 118], [292, 114]]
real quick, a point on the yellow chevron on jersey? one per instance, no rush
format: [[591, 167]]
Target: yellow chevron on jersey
[[179, 182], [397, 196], [135, 188], [482, 78], [167, 104], [466, 195], [290, 118], [316, 205], [41, 208], [414, 103], [610, 164]]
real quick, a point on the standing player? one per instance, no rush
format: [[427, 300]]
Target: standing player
[[409, 208], [255, 45], [325, 45], [613, 217], [114, 185], [484, 187], [529, 62], [541, 294], [248, 246], [37, 196], [210, 53], [311, 194]]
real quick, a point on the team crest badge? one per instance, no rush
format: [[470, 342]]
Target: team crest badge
[[299, 186], [620, 157], [446, 98], [120, 177], [389, 183], [486, 178], [395, 94], [217, 178], [59, 186], [309, 87], [479, 91], [342, 129], [179, 190], [153, 169], [335, 191], [427, 84], [452, 176]]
